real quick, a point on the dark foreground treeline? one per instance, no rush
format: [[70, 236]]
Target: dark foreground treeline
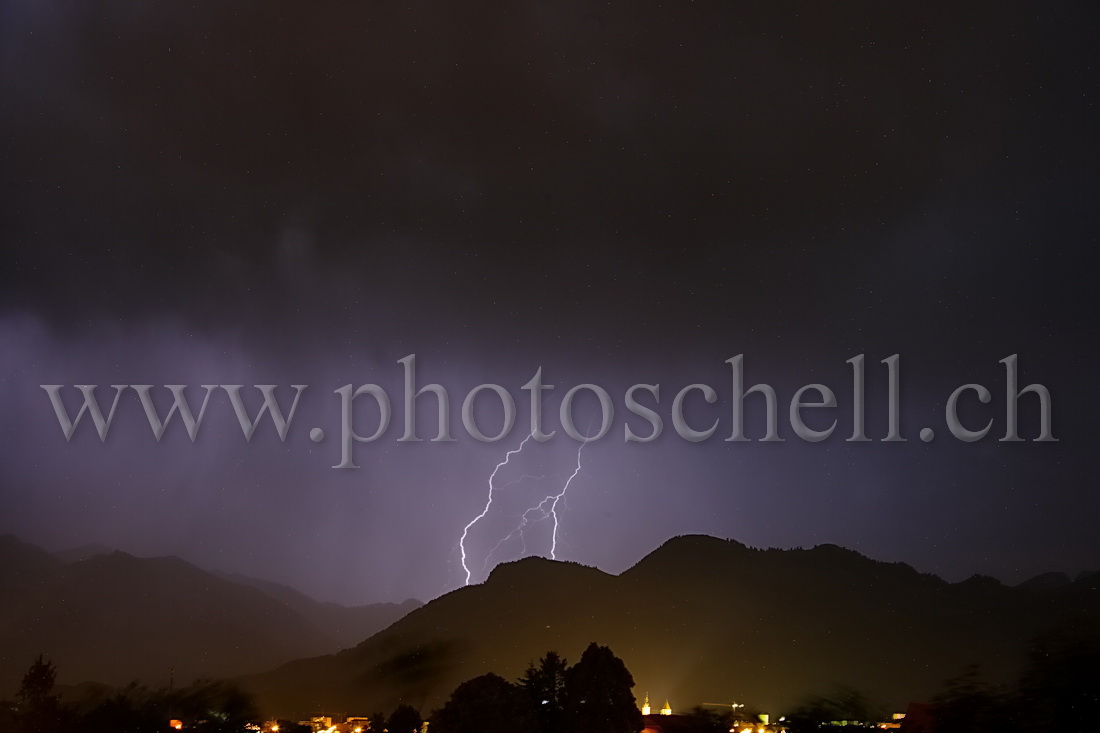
[[206, 705], [592, 696], [1058, 690]]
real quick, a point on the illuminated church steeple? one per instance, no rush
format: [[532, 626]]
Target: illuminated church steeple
[[645, 705], [667, 709]]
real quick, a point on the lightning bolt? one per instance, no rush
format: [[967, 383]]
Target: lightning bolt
[[488, 504], [558, 497], [521, 526], [545, 509]]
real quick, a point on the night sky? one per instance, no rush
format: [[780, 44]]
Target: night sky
[[284, 193]]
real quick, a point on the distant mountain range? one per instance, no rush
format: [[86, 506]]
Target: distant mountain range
[[110, 617], [699, 620]]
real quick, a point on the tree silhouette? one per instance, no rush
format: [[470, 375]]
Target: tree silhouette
[[378, 722], [486, 704], [405, 719], [545, 686], [599, 697], [38, 707]]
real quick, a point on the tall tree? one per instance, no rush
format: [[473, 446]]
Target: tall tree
[[599, 697], [545, 686], [405, 719], [38, 707]]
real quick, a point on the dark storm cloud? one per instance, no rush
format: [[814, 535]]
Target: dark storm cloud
[[251, 192]]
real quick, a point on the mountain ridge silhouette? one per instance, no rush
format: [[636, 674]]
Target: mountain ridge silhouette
[[698, 619]]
